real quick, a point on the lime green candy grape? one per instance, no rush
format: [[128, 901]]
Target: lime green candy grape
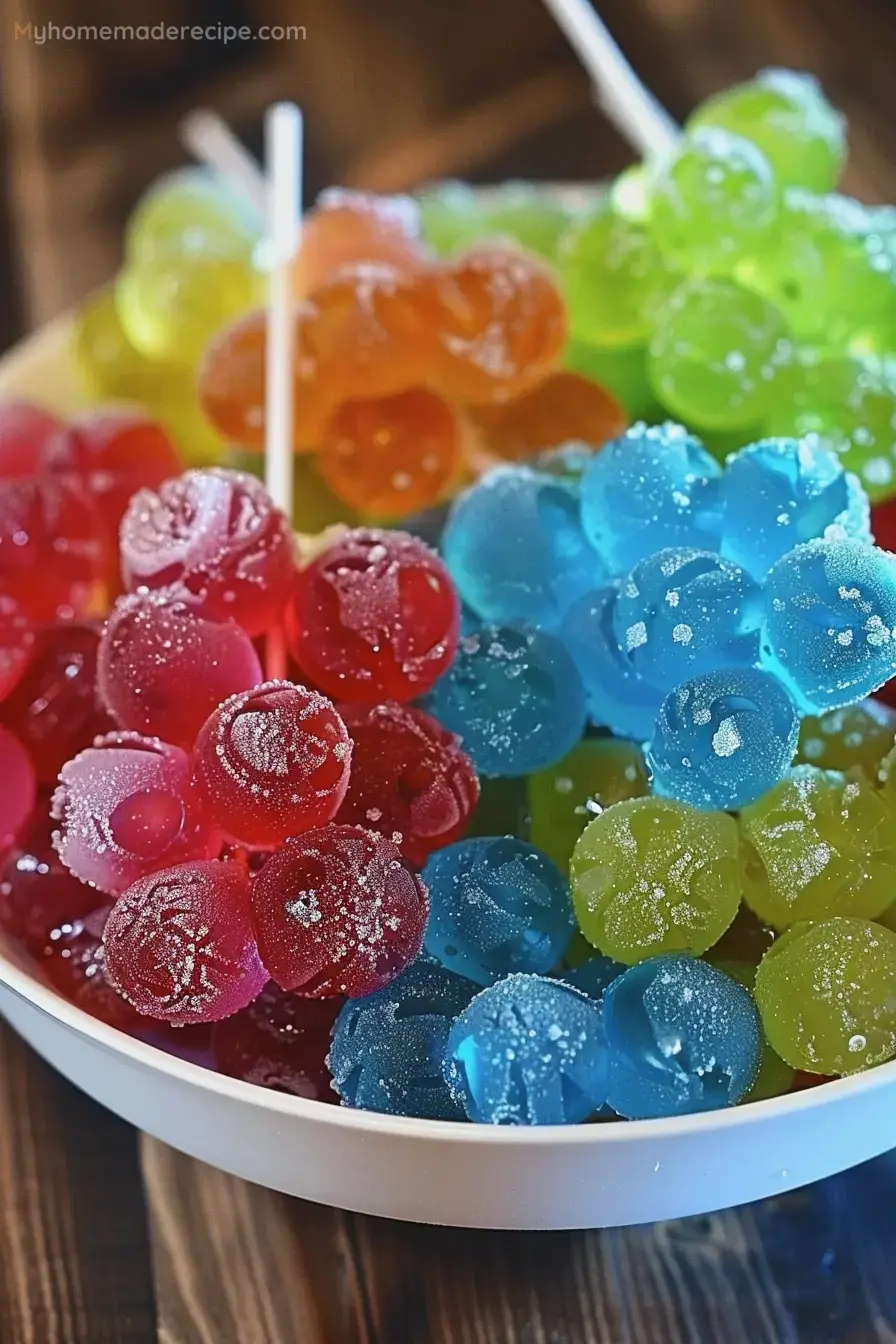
[[630, 194], [191, 212], [614, 277], [652, 875], [451, 217], [786, 114], [112, 369], [774, 1077], [825, 996], [622, 372], [714, 200], [717, 353], [819, 844], [563, 798], [859, 736]]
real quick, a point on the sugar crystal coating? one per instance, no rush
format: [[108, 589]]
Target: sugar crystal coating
[[179, 944], [615, 695], [51, 545], [279, 1041], [841, 739], [682, 1037], [497, 905], [388, 1047], [528, 1051]]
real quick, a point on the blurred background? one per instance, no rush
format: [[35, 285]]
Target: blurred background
[[395, 93]]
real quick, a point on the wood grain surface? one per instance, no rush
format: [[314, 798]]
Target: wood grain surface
[[110, 1238]]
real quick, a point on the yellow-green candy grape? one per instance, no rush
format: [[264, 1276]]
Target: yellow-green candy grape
[[191, 212], [112, 369], [774, 1077], [564, 797], [858, 736], [825, 996], [819, 844], [653, 875]]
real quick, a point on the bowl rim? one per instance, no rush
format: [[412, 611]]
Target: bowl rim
[[47, 1001]]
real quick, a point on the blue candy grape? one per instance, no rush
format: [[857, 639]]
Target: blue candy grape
[[682, 1037], [617, 697], [515, 548], [655, 486], [514, 696], [496, 905], [528, 1051], [682, 612], [388, 1047], [723, 739], [780, 492], [830, 621]]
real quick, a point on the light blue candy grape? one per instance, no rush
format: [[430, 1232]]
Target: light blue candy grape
[[528, 1051], [780, 492], [723, 739], [513, 694], [682, 612], [515, 548], [830, 621], [617, 697], [593, 976], [496, 905], [682, 1037], [387, 1048], [655, 486]]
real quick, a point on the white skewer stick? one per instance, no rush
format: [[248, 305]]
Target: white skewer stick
[[211, 141], [632, 108], [283, 163]]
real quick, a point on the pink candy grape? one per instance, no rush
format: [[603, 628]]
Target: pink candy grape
[[18, 788], [16, 640], [74, 961]]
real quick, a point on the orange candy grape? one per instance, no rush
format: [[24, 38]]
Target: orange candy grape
[[564, 407], [391, 456], [346, 227]]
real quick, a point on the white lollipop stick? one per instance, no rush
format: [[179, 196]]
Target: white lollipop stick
[[283, 162], [211, 141], [632, 108]]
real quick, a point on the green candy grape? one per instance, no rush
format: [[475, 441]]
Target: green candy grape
[[614, 277], [825, 996], [188, 213], [817, 845], [714, 200], [451, 217], [564, 797], [786, 114], [630, 194], [112, 369], [621, 372], [717, 353], [527, 214], [859, 736], [503, 809], [774, 1077], [653, 875]]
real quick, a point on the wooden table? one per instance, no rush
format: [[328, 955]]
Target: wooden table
[[110, 1238]]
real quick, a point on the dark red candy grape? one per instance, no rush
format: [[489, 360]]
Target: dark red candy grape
[[179, 944], [410, 780], [373, 617], [52, 552], [37, 893], [25, 431], [280, 1041], [74, 961], [272, 762], [18, 789], [338, 911], [16, 642]]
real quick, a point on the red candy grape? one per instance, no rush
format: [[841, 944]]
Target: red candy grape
[[280, 1041], [24, 432], [179, 944], [16, 641], [36, 892], [19, 788], [126, 808], [74, 962], [410, 779], [117, 442], [217, 535], [162, 669], [272, 762], [52, 555], [374, 617], [338, 911], [55, 709]]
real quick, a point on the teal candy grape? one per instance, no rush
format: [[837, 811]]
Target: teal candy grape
[[617, 698]]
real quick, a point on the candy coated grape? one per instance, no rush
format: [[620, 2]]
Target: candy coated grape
[[16, 644], [279, 1041], [388, 1047], [528, 1051], [819, 844], [843, 739], [112, 369], [51, 546], [162, 670], [653, 875], [716, 354], [127, 445], [594, 976], [655, 486], [564, 407], [37, 893], [272, 761], [496, 905], [373, 617], [24, 431], [723, 738], [681, 1037], [780, 492], [830, 617], [390, 456], [682, 612], [622, 373], [514, 696], [179, 944], [73, 959], [616, 697], [515, 547], [825, 996], [191, 212], [19, 788], [527, 214], [338, 911], [452, 216], [786, 114], [715, 198], [409, 779], [126, 808], [348, 227]]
